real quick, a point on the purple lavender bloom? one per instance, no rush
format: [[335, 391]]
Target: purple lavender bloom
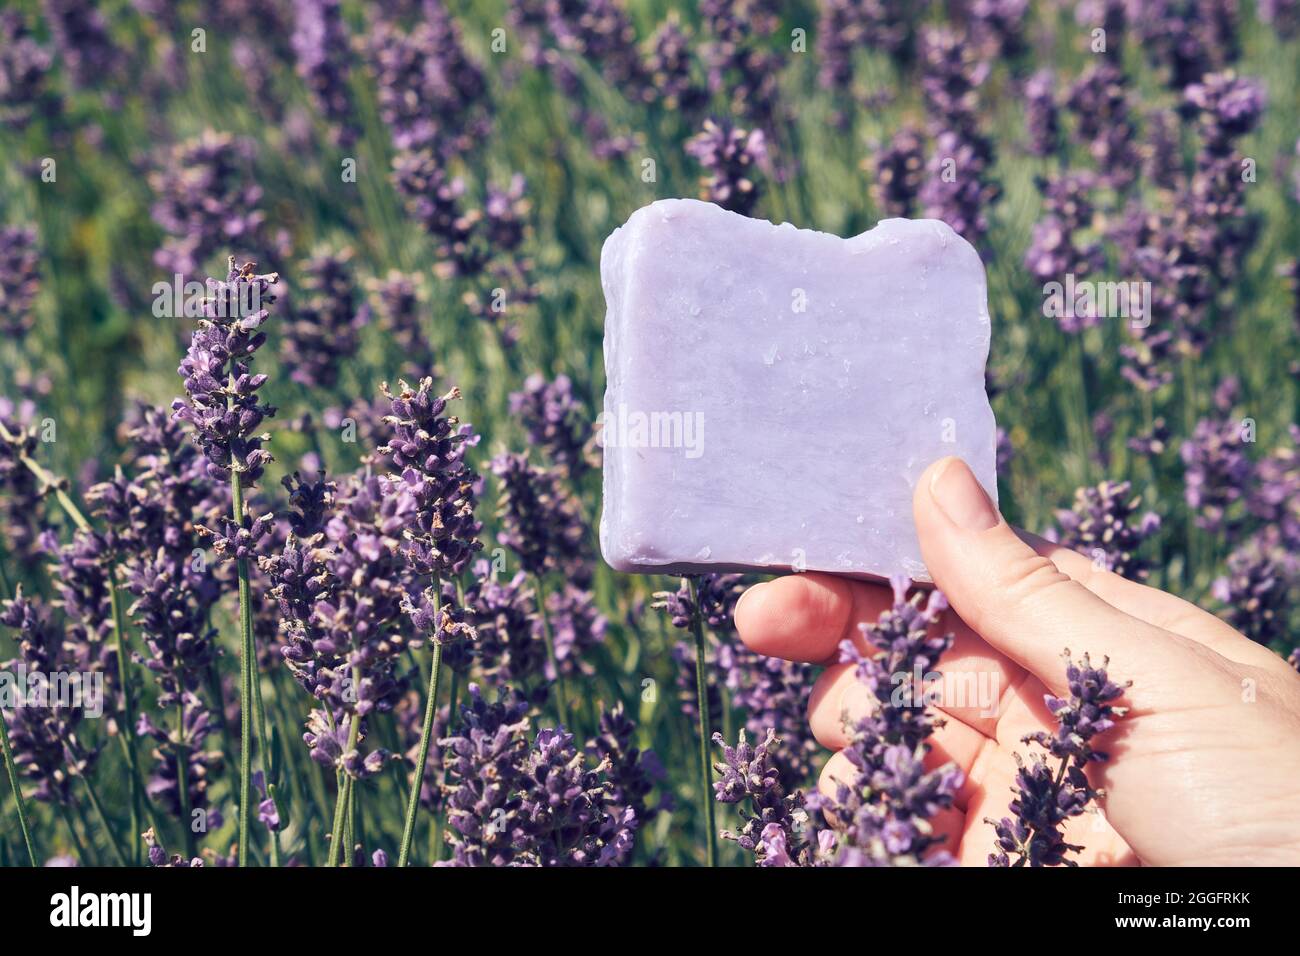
[[1188, 37], [158, 855], [1099, 101], [1274, 496], [576, 626], [1217, 472], [882, 814], [80, 33], [508, 646], [540, 521], [774, 817], [1042, 115], [512, 804], [206, 200], [729, 156], [322, 328], [401, 316], [20, 280], [24, 67], [42, 731], [221, 390], [600, 32], [741, 68], [23, 493], [1283, 16], [431, 94], [1048, 796], [669, 69], [956, 188], [428, 449], [1162, 161], [555, 421], [900, 168], [998, 27], [1055, 250], [1104, 523], [321, 44], [1257, 590]]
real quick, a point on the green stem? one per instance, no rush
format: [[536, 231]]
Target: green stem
[[127, 734], [440, 825], [264, 751], [245, 678], [182, 781], [430, 711], [103, 821], [18, 794], [337, 836], [702, 707], [83, 854], [561, 701]]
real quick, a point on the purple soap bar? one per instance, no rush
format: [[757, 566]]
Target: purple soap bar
[[773, 394]]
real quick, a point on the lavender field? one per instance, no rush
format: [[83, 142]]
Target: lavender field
[[301, 370]]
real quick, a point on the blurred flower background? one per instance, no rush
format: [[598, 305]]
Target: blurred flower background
[[342, 569]]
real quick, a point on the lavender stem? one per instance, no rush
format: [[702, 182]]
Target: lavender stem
[[561, 702], [18, 794], [430, 710], [245, 677], [702, 706]]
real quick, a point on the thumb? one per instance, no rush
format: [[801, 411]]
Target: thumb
[[1013, 597]]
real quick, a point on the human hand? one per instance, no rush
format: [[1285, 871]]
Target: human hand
[[1203, 770]]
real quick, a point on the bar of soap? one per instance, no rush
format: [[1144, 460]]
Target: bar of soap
[[773, 394]]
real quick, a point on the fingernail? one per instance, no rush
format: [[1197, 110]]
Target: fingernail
[[960, 497]]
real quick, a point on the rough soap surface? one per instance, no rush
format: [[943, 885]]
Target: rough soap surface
[[773, 394]]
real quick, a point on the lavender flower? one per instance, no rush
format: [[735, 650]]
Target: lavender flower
[[729, 156], [80, 33], [431, 94], [555, 421], [19, 280], [401, 313], [24, 67], [669, 69], [206, 200], [512, 804], [740, 67], [321, 44], [576, 626], [1099, 101], [222, 403], [1256, 592], [1042, 116], [1283, 16], [774, 817], [1104, 523], [1046, 797], [883, 814], [899, 168], [509, 647], [42, 734], [1056, 250], [24, 493], [540, 522], [428, 447], [1217, 472], [322, 329]]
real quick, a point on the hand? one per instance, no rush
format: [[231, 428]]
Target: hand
[[1205, 767]]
